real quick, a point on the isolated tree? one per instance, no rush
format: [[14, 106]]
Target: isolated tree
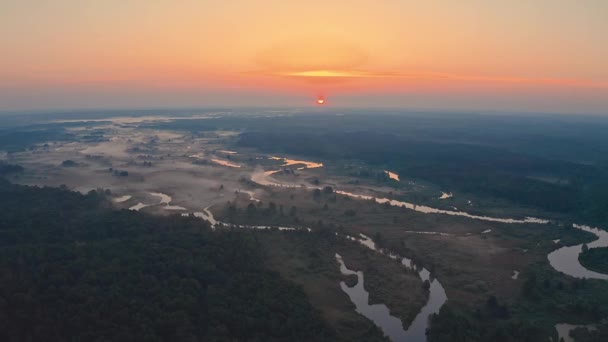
[[68, 163], [231, 209], [251, 209], [316, 193], [379, 239], [529, 286], [491, 303], [350, 212], [272, 208]]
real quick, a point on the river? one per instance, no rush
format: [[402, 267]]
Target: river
[[165, 200], [265, 178], [392, 326], [565, 259]]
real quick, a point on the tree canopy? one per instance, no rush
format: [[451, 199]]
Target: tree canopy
[[74, 269]]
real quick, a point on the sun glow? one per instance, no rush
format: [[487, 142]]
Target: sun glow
[[320, 101], [327, 73], [362, 52]]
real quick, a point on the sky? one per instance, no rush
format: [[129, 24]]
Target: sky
[[503, 55]]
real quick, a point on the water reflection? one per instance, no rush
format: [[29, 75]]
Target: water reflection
[[225, 163], [391, 326], [207, 215], [164, 200], [417, 330], [289, 162], [563, 330], [446, 195], [139, 206], [429, 210], [565, 259], [122, 198], [392, 175], [264, 178]]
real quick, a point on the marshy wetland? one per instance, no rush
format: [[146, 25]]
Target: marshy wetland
[[422, 250]]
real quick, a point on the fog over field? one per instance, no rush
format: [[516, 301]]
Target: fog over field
[[434, 223]]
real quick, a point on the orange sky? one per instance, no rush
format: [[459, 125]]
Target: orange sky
[[541, 55]]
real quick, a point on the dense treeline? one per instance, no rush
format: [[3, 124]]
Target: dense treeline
[[596, 333], [73, 269], [545, 299], [7, 169], [595, 259], [454, 326], [572, 138], [22, 139]]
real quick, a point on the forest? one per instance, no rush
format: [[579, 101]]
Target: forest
[[16, 140], [595, 259], [73, 269]]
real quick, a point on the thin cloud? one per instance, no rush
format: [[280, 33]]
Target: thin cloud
[[358, 74]]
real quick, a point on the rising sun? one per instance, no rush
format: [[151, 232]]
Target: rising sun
[[320, 101]]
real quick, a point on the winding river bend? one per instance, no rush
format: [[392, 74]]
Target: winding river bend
[[207, 215], [392, 326], [265, 178], [165, 201], [565, 259], [430, 210]]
